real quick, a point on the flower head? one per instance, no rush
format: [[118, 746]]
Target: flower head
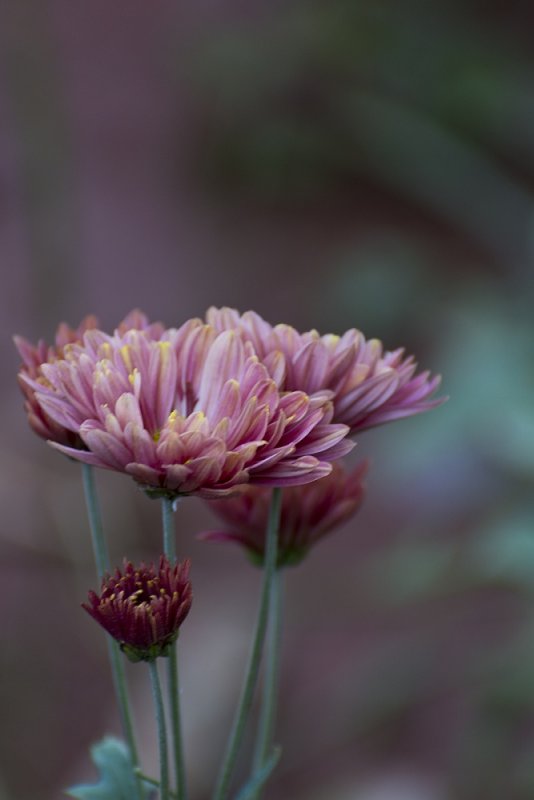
[[143, 607], [368, 385], [32, 358], [194, 412], [308, 513], [31, 373]]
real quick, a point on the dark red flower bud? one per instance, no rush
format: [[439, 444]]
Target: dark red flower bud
[[143, 607]]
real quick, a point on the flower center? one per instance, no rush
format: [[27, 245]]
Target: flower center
[[145, 594]]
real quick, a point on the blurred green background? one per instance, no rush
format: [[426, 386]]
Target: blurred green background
[[331, 165]]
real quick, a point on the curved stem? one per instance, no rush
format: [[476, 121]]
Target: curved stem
[[115, 656], [162, 730], [169, 546], [251, 676], [270, 684]]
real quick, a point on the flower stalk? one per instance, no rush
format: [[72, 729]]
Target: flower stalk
[[251, 676], [270, 684], [169, 546], [95, 522], [102, 565], [162, 730]]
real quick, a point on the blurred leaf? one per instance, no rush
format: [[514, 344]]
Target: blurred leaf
[[380, 275], [489, 371], [330, 93], [518, 446], [409, 151], [117, 779], [410, 571], [506, 549]]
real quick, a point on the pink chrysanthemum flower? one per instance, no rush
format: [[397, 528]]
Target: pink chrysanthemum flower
[[191, 413], [33, 356], [143, 608], [308, 513], [369, 386]]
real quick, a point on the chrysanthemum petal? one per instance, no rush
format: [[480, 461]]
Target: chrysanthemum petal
[[127, 410], [176, 475], [324, 437], [144, 474], [204, 471], [294, 477], [308, 513], [141, 445], [310, 366], [223, 362], [80, 455], [108, 448]]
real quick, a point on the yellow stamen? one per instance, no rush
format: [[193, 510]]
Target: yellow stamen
[[125, 353], [164, 349]]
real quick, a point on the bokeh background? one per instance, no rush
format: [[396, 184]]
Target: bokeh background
[[331, 164]]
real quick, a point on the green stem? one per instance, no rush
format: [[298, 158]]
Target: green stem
[[162, 730], [169, 546], [115, 656], [95, 522], [251, 676], [169, 538], [254, 785], [152, 782], [270, 685]]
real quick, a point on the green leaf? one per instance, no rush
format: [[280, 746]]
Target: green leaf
[[117, 779]]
